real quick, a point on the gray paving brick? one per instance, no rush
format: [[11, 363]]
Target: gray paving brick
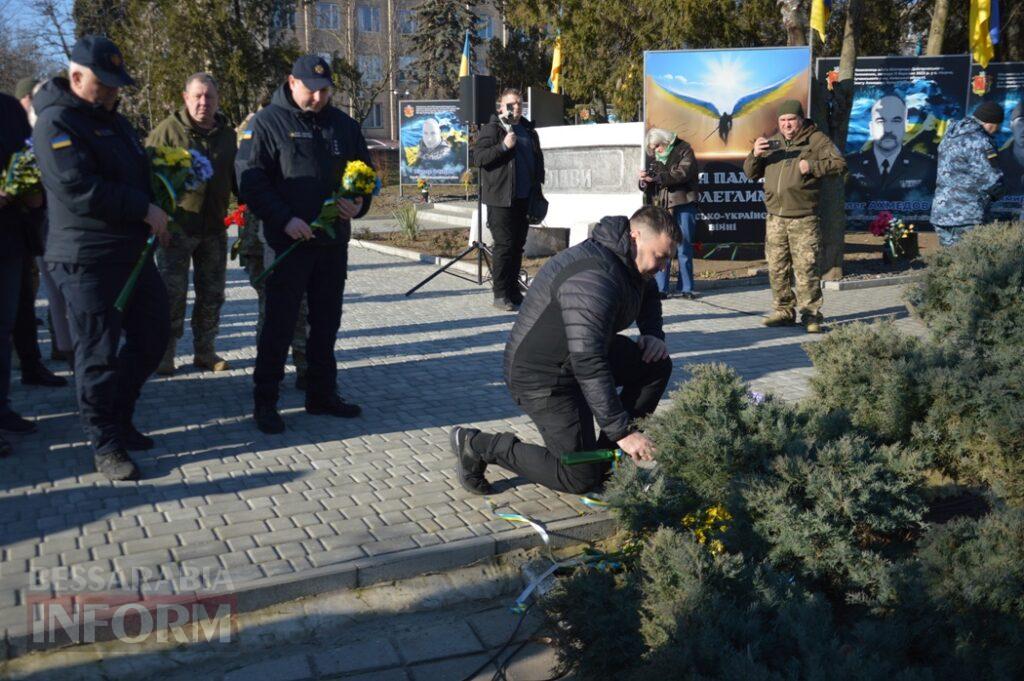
[[358, 657], [443, 641], [283, 536], [293, 668]]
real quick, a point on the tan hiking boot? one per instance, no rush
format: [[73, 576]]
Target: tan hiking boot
[[211, 362], [812, 324], [779, 318]]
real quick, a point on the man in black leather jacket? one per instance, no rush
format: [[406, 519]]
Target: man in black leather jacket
[[511, 167], [566, 358]]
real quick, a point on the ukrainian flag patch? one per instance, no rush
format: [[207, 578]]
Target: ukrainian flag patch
[[247, 135], [60, 142]]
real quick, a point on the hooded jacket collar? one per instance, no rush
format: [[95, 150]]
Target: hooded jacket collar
[[57, 92], [612, 232], [219, 122]]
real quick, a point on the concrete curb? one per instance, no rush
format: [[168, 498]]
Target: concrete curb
[[699, 284], [854, 284], [464, 267], [389, 567]]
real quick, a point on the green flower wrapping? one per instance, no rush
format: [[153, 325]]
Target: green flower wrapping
[[22, 176]]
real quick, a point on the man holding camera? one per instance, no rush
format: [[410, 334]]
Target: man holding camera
[[792, 163], [566, 358], [511, 167]]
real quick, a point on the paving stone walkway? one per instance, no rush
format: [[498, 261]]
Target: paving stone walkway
[[328, 493]]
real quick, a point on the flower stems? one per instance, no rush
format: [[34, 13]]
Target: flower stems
[[129, 286], [263, 275]]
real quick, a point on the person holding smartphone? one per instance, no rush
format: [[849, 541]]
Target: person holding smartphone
[[507, 150], [792, 163]]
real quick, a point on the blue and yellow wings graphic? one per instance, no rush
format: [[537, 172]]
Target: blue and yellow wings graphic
[[768, 95]]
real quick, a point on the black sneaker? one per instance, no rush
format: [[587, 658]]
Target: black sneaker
[[5, 448], [267, 419], [40, 375], [134, 441], [688, 295], [469, 467], [332, 406], [13, 423], [116, 465]]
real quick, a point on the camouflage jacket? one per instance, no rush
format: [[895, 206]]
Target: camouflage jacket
[[968, 179]]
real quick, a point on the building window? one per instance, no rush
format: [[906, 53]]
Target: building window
[[369, 19], [376, 117], [485, 27], [405, 70], [328, 16], [406, 21], [370, 66], [283, 18]]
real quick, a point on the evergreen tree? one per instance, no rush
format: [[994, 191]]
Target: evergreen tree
[[441, 27], [525, 61], [164, 41]]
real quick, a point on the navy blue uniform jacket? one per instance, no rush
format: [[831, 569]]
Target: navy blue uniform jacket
[[96, 174], [290, 161]]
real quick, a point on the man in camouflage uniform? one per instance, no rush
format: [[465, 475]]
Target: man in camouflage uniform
[[252, 252], [792, 163], [969, 177], [200, 236]]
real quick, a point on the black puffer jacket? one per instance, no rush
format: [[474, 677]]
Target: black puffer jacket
[[96, 175], [579, 300], [290, 161], [15, 221]]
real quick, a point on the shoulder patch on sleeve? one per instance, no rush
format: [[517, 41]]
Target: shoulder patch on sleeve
[[247, 134], [60, 141]]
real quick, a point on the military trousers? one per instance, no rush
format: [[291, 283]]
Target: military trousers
[[109, 375], [318, 273], [792, 247], [207, 254]]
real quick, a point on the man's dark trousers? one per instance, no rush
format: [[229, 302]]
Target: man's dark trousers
[[567, 424], [509, 227], [319, 271], [26, 331], [10, 282], [109, 381]]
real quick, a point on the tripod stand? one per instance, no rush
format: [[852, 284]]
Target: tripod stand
[[483, 253]]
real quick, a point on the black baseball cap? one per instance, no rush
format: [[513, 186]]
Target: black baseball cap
[[102, 56], [313, 71]]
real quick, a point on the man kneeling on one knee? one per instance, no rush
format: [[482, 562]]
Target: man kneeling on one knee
[[566, 358]]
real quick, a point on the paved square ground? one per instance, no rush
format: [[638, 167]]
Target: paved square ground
[[219, 494]]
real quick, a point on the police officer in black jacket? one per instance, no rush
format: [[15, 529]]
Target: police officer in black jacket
[[566, 358], [291, 158], [96, 175], [18, 219]]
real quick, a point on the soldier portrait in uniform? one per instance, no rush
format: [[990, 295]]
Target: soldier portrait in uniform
[[435, 151], [888, 170]]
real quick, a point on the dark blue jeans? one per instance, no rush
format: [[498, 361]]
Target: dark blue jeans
[[318, 272], [686, 218], [109, 375], [10, 285]]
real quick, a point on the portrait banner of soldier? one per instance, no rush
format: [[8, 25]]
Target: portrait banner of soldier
[[901, 107], [434, 142], [720, 101], [1003, 83]]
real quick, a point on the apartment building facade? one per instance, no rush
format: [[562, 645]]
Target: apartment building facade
[[377, 36]]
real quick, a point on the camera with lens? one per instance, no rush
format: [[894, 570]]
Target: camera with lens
[[774, 145]]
